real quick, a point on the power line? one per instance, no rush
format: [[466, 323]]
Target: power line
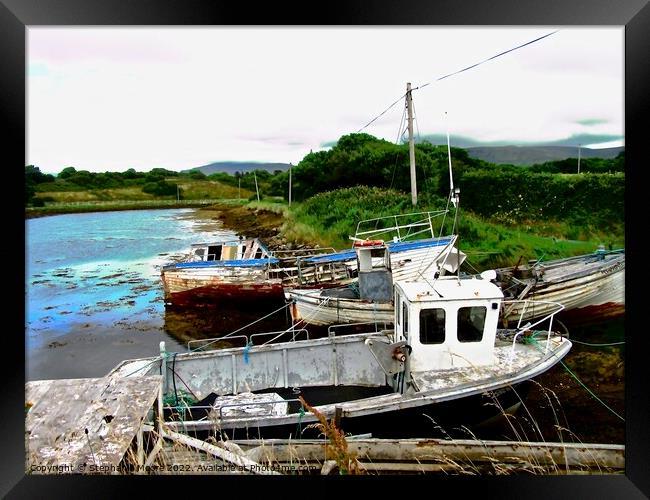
[[381, 114], [455, 73], [488, 59]]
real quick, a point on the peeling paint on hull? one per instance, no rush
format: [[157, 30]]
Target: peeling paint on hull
[[593, 314], [226, 291]]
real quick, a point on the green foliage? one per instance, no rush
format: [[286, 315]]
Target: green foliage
[[33, 178], [33, 175], [363, 160], [335, 214], [516, 196], [67, 172], [196, 175], [587, 165], [330, 218], [160, 188]]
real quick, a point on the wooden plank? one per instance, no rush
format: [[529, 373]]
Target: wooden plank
[[241, 462], [559, 455], [80, 425]]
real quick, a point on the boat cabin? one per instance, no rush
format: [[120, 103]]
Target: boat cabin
[[375, 276], [447, 322], [242, 249]]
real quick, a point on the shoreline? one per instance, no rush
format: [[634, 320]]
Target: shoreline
[[117, 206], [235, 215]]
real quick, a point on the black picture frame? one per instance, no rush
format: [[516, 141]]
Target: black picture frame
[[16, 15]]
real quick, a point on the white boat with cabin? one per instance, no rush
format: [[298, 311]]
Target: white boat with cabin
[[445, 349]]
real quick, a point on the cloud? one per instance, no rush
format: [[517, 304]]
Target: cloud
[[592, 121], [586, 140]]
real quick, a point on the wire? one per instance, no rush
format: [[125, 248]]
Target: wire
[[381, 114], [488, 59], [455, 73]]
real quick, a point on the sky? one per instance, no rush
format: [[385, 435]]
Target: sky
[[113, 98]]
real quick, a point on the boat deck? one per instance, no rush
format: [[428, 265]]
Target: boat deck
[[578, 268], [457, 377]]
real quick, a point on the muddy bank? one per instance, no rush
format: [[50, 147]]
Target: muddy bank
[[252, 222]]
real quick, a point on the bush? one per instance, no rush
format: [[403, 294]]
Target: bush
[[160, 188]]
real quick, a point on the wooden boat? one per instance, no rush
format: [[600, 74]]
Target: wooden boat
[[246, 269], [233, 269], [591, 287], [445, 350]]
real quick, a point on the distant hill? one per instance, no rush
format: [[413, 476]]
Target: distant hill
[[230, 167], [530, 155]]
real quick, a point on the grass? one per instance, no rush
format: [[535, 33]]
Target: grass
[[190, 190], [199, 189], [330, 218]]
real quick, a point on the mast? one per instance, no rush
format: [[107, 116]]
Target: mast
[[409, 105]]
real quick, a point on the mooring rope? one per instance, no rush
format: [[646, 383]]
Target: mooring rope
[[597, 345], [536, 343]]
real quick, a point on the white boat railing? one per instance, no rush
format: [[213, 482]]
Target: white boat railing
[[528, 327], [249, 339], [403, 230], [294, 335], [212, 341]]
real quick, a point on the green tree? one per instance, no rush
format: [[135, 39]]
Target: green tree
[[67, 172]]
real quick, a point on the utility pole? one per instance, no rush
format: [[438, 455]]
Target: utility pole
[[256, 188], [178, 193], [409, 106], [579, 145], [239, 192], [289, 184]]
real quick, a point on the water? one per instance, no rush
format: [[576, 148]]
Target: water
[[94, 297], [93, 289]]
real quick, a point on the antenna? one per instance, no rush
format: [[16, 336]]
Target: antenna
[[454, 196], [451, 177]]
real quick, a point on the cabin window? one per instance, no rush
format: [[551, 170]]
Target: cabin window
[[405, 319], [432, 326], [471, 321], [258, 254], [214, 252]]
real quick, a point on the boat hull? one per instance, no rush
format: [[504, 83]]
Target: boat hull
[[310, 307], [437, 420], [183, 288], [588, 297]]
